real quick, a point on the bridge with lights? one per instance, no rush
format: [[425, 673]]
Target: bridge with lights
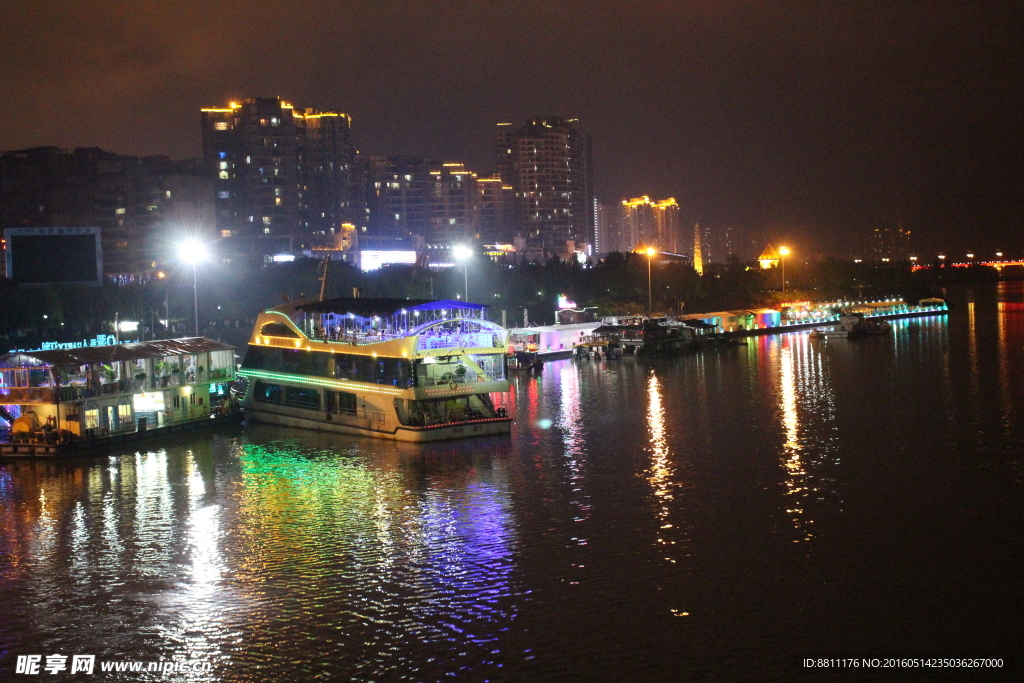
[[998, 265]]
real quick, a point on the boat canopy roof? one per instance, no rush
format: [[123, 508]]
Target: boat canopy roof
[[87, 355], [367, 308]]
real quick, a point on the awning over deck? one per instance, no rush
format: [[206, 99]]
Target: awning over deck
[[368, 308], [88, 355]]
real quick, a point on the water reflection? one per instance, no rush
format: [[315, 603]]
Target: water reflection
[[570, 423], [395, 560], [809, 451], [660, 476]]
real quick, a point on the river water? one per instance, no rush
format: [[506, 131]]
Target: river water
[[715, 516]]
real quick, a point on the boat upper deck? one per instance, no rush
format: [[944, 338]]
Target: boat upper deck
[[82, 372], [392, 327]]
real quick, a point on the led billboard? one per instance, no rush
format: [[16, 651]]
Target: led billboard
[[44, 256], [372, 260]]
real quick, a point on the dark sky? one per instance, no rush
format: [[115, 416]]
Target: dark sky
[[812, 121]]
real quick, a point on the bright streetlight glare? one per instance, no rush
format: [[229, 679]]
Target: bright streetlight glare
[[651, 251], [461, 252], [192, 251], [784, 251]]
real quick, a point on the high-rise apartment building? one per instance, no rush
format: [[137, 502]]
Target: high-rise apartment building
[[494, 210], [285, 177], [397, 196], [546, 161], [607, 227], [438, 201], [655, 223], [453, 202]]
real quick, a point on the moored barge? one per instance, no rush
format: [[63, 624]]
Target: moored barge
[[76, 400]]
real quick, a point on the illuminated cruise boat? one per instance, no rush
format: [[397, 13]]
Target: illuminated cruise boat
[[403, 369]]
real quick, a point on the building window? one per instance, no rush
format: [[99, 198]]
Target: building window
[[168, 194], [225, 233], [266, 231], [220, 125], [223, 194], [266, 220], [223, 165], [121, 246], [277, 201], [223, 175], [119, 211]]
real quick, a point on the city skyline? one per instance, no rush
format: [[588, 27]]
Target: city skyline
[[816, 123]]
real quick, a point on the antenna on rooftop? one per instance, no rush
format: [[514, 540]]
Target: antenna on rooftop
[[323, 277]]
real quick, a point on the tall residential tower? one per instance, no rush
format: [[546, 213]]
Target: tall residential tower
[[285, 177], [546, 161]]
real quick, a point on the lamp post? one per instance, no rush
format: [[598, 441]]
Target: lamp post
[[462, 253], [783, 252], [192, 252], [651, 251]]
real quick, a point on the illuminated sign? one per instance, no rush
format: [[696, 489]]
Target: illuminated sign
[[283, 258], [127, 326], [372, 260], [564, 303], [98, 340], [148, 402]]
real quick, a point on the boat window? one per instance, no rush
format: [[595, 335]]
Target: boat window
[[278, 330], [298, 397]]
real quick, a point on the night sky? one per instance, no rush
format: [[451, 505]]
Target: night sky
[[810, 121]]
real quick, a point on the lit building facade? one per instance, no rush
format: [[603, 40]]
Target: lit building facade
[[285, 178], [546, 161], [494, 210], [655, 223], [453, 202], [398, 195]]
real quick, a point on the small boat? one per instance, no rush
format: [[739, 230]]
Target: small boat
[[852, 325]]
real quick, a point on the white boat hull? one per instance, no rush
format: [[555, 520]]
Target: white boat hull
[[443, 432]]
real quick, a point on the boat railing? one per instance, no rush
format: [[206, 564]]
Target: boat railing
[[119, 386], [468, 377], [456, 419], [457, 341], [360, 339], [16, 395]]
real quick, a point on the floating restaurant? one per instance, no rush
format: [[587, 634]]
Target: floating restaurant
[[75, 399], [410, 370]]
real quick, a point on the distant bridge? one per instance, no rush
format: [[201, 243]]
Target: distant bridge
[[998, 265]]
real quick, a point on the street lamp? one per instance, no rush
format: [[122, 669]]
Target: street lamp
[[192, 252], [783, 252], [462, 253], [651, 251]]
